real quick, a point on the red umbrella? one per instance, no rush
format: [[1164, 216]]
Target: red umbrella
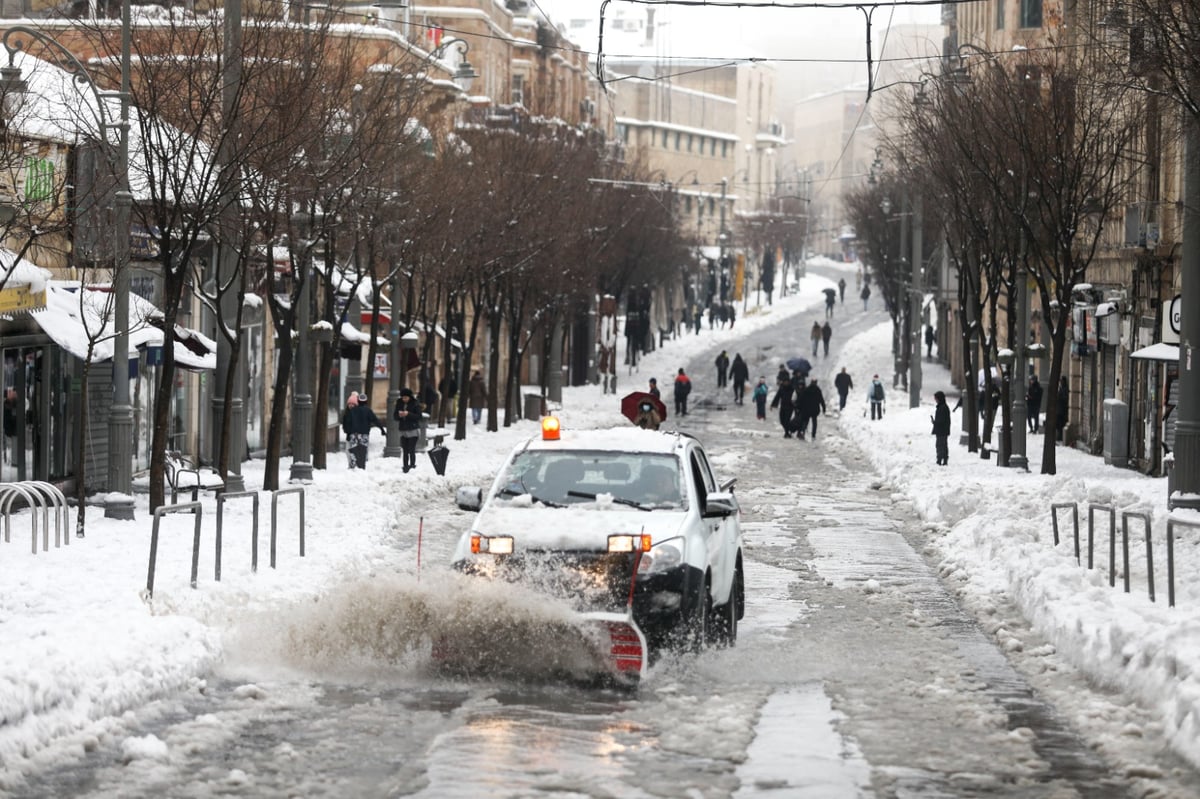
[[638, 402]]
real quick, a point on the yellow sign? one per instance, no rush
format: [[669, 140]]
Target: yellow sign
[[17, 299]]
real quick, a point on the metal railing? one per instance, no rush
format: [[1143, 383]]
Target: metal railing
[[1172, 523], [37, 495]]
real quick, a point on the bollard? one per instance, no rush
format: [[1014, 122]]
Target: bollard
[[192, 507], [221, 498]]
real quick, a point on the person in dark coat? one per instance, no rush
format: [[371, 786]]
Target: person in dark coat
[[683, 387], [476, 396], [799, 414], [783, 401], [842, 290], [722, 364], [448, 389], [1033, 403], [843, 384], [865, 294], [1064, 402], [813, 403], [929, 338], [739, 373], [654, 392], [408, 418], [358, 420], [782, 376], [941, 428], [815, 336], [826, 334]]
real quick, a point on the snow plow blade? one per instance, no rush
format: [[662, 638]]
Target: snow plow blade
[[622, 647]]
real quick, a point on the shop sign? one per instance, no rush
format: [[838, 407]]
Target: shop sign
[[1172, 319], [17, 299]]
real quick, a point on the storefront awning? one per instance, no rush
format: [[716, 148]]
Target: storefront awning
[[1157, 352], [24, 285], [76, 315]]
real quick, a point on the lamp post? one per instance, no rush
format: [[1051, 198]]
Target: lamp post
[[464, 74], [1017, 459], [120, 417], [302, 400], [1006, 357], [402, 345], [915, 302]]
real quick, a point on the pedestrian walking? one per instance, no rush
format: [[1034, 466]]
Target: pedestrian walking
[[739, 373], [408, 418], [941, 428], [1064, 402], [697, 318], [448, 389], [760, 399], [842, 290], [929, 337], [830, 299], [683, 387], [783, 401], [813, 403], [654, 392], [1033, 403], [815, 335], [722, 364], [843, 383], [782, 376], [876, 396], [476, 396], [732, 315], [358, 420], [826, 334], [865, 294]]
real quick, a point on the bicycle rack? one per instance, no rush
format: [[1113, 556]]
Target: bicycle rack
[[193, 507], [221, 498], [1112, 532], [275, 514], [1074, 508], [1171, 525], [1145, 518], [37, 494]]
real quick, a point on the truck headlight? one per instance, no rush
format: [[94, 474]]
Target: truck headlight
[[629, 543], [661, 557]]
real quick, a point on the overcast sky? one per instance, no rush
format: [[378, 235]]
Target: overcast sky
[[813, 49]]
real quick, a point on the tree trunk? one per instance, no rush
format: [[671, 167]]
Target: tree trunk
[[495, 320], [279, 401]]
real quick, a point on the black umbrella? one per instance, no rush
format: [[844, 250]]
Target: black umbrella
[[799, 365]]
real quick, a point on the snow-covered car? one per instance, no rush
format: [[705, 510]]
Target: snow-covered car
[[628, 524]]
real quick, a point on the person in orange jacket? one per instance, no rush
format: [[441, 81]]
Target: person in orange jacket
[[683, 387]]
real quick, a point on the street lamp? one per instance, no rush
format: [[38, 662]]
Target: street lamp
[[119, 505], [464, 74]]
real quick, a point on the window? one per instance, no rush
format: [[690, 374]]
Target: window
[[1031, 13], [518, 90], [666, 139], [623, 132], [689, 142], [39, 179], [687, 203], [713, 149], [724, 149], [999, 15], [678, 139]]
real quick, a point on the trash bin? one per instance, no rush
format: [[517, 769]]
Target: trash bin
[[533, 407], [438, 456]]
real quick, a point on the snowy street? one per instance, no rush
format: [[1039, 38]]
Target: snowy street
[[910, 629]]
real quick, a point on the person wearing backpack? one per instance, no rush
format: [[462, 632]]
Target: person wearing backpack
[[760, 398], [876, 395], [866, 295]]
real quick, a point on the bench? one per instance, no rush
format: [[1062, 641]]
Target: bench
[[183, 474]]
